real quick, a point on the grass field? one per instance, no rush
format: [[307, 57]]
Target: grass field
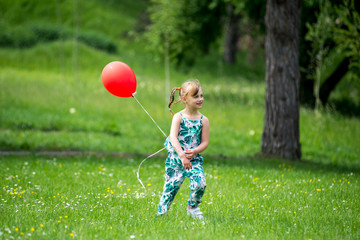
[[246, 198], [52, 99]]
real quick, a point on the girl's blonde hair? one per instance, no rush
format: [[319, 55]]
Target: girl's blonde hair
[[188, 88]]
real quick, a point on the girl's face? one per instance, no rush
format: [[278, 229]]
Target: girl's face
[[196, 101]]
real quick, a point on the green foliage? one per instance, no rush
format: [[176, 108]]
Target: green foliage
[[16, 36], [336, 24], [318, 35], [347, 32], [184, 29], [33, 33], [46, 32], [98, 41], [332, 37]]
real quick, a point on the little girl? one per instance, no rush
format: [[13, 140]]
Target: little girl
[[189, 136]]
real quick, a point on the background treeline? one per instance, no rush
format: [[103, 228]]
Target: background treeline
[[329, 46], [184, 32]]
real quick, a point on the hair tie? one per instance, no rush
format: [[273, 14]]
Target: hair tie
[[179, 88]]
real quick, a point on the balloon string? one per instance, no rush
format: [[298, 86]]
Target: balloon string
[[137, 174], [133, 95]]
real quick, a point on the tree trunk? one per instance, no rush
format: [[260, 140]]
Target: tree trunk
[[232, 35], [281, 126], [329, 85]]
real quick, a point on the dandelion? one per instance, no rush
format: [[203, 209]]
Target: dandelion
[[16, 229], [72, 234], [32, 229], [41, 225]]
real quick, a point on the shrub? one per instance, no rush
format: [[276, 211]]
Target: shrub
[[16, 36], [31, 34], [46, 32], [97, 40]]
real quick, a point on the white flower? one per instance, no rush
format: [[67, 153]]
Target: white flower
[[132, 236], [251, 132], [72, 110]]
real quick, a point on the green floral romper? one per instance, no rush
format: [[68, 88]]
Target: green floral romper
[[189, 138]]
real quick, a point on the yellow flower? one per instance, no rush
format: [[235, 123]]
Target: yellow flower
[[32, 229], [149, 184], [318, 190], [42, 225], [71, 234], [16, 229]]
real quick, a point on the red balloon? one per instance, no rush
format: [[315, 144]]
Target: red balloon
[[119, 79]]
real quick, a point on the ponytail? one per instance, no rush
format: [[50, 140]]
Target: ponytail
[[172, 96]]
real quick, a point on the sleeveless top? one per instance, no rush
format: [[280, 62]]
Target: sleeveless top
[[189, 136]]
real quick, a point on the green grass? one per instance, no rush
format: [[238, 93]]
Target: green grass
[[100, 198], [52, 98]]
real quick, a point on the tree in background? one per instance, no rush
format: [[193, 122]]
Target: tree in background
[[281, 126], [190, 28], [181, 31], [231, 33], [331, 32], [243, 19], [185, 28]]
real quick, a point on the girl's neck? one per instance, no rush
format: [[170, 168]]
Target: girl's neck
[[191, 113]]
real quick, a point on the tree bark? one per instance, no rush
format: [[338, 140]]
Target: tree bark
[[232, 35], [281, 125]]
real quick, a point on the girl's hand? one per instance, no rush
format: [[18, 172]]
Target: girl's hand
[[190, 154], [186, 163]]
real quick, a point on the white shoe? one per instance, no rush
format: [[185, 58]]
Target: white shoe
[[195, 213]]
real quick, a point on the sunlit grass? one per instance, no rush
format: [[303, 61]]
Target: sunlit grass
[[100, 198]]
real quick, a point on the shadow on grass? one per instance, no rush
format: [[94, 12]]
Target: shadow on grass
[[261, 162], [257, 161]]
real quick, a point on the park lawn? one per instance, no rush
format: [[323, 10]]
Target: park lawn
[[99, 197], [91, 197], [51, 98]]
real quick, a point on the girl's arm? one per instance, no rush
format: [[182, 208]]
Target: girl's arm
[[174, 133], [204, 139]]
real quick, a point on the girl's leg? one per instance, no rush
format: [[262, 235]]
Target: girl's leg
[[197, 184], [174, 177]]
